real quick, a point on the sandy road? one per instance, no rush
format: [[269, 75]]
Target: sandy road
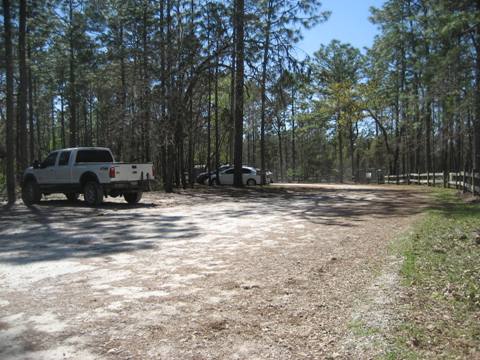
[[211, 274]]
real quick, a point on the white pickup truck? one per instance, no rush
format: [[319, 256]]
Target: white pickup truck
[[90, 171]]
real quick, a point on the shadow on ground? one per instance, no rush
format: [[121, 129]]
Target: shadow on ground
[[344, 206], [56, 229]]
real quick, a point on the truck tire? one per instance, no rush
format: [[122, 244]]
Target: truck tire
[[251, 182], [133, 198], [72, 196], [31, 193], [93, 193]]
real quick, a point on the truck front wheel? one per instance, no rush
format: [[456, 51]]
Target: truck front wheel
[[133, 198], [31, 193], [93, 193]]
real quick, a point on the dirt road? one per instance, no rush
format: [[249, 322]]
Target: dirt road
[[211, 274]]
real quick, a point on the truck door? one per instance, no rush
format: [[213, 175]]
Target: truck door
[[46, 173], [63, 168]]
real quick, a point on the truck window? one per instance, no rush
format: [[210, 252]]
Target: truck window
[[64, 157], [93, 156], [50, 160]]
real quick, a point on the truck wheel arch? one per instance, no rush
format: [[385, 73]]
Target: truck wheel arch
[[86, 177], [28, 178]]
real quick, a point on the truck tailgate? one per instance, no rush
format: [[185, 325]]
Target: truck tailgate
[[132, 172]]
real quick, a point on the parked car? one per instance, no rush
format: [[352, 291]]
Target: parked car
[[202, 178], [91, 171], [250, 176]]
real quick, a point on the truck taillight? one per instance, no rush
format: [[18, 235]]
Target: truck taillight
[[111, 172]]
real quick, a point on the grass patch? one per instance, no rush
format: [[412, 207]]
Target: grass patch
[[441, 272], [359, 328]]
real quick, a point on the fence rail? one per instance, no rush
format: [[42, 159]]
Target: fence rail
[[466, 181]]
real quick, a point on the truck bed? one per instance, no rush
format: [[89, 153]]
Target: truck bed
[[132, 172]]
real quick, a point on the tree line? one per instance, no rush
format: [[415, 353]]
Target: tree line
[[200, 82], [410, 103]]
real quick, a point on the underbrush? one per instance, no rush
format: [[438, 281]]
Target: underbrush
[[441, 272]]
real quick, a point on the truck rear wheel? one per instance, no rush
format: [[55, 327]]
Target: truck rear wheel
[[72, 196], [93, 193], [133, 198], [31, 193]]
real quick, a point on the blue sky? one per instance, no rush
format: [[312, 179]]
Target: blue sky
[[347, 23]]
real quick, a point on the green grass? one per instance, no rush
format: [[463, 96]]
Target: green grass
[[441, 273], [359, 328]]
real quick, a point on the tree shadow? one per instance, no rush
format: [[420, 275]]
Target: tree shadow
[[56, 230], [347, 206]]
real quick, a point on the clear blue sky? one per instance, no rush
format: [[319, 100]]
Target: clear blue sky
[[348, 23]]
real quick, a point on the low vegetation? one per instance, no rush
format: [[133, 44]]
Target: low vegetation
[[441, 271]]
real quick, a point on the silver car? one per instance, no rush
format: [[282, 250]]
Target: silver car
[[250, 176]]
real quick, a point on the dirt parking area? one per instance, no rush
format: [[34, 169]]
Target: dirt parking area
[[279, 273]]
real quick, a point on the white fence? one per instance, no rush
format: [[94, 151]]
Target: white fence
[[466, 181]]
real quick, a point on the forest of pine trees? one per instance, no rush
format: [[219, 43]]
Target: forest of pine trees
[[197, 82]]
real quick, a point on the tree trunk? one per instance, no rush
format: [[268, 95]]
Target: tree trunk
[[191, 155], [232, 98], [72, 86], [37, 118], [253, 130], [209, 125], [146, 89], [30, 103], [217, 125], [85, 123], [10, 136], [428, 135], [340, 149], [266, 49], [54, 140], [280, 152], [123, 96], [62, 120], [352, 151], [294, 154], [190, 150], [476, 125], [167, 94], [22, 89], [239, 81]]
